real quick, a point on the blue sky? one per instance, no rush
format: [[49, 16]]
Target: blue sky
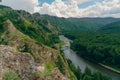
[[86, 4], [47, 1]]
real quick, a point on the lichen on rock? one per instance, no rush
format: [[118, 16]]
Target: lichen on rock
[[21, 63]]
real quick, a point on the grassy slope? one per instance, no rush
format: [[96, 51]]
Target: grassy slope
[[19, 31]]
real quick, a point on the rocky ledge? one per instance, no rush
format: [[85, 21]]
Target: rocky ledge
[[20, 63], [24, 66]]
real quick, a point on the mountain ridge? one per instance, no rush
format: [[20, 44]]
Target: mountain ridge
[[21, 33]]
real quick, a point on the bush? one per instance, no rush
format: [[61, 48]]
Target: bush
[[9, 75]]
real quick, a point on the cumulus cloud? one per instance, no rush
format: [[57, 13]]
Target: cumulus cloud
[[78, 1], [69, 8], [28, 5], [104, 9], [59, 8]]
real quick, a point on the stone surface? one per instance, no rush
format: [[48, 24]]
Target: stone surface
[[21, 63]]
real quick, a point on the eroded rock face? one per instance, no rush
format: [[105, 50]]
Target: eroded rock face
[[21, 63]]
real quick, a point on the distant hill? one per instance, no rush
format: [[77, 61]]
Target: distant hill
[[78, 24], [112, 27]]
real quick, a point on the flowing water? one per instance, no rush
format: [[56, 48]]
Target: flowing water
[[82, 63]]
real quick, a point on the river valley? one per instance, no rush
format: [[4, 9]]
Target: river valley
[[82, 63]]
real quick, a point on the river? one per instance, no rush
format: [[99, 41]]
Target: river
[[82, 63]]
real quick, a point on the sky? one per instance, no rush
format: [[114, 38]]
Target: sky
[[68, 8]]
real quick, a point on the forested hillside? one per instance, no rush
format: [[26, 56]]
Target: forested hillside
[[101, 47], [95, 39], [36, 37], [26, 40], [66, 25], [112, 27]]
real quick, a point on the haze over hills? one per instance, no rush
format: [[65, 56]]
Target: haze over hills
[[112, 27], [78, 24], [34, 39]]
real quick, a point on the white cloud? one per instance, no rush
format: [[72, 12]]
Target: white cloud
[[78, 1], [104, 9], [59, 8], [28, 5], [81, 1], [69, 8]]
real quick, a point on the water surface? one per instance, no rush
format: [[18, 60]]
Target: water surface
[[82, 63]]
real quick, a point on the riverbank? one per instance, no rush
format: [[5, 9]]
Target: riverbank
[[110, 68], [102, 65], [84, 62]]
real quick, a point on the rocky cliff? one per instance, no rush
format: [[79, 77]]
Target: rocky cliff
[[27, 49], [24, 66], [27, 65], [17, 62]]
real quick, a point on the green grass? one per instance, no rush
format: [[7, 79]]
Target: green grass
[[10, 75], [61, 43], [49, 66], [48, 70]]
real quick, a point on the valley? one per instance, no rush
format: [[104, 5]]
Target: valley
[[83, 63], [42, 47]]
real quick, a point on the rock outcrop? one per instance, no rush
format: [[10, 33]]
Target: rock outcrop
[[18, 62], [29, 47]]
